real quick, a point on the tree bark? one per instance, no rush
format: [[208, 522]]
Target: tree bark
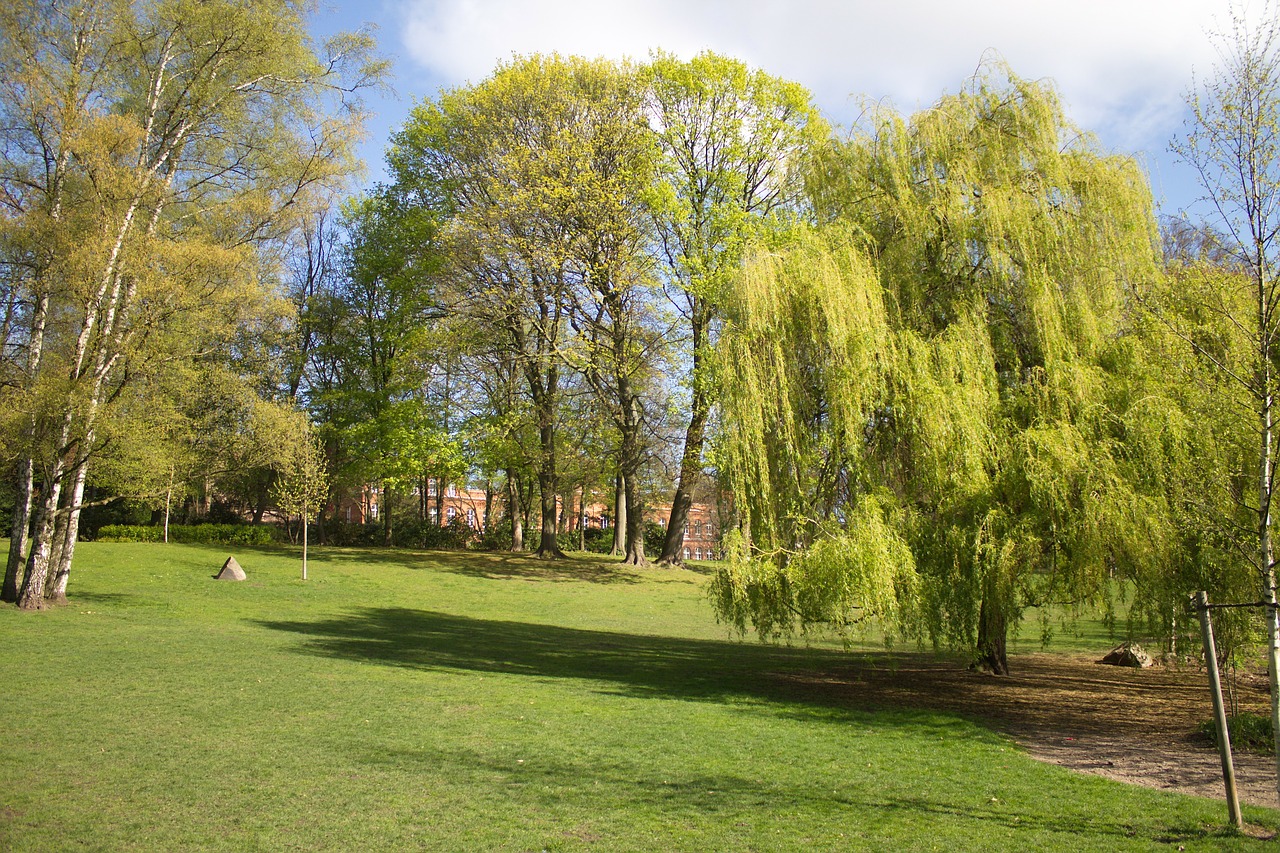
[[385, 509], [70, 530], [993, 631], [488, 504], [515, 511], [440, 501], [635, 525], [19, 531], [548, 548], [32, 596], [619, 517]]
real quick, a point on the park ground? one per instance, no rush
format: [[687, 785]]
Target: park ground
[[405, 700]]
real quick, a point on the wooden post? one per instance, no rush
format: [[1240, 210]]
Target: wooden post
[[1219, 712]]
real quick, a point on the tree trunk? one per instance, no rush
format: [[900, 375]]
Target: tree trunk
[[32, 596], [1264, 526], [168, 501], [635, 525], [548, 547], [260, 499], [304, 545], [19, 532], [440, 501], [70, 530], [993, 632], [488, 504], [515, 511], [694, 439], [387, 532], [619, 517], [582, 518]]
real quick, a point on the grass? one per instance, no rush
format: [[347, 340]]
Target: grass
[[403, 700]]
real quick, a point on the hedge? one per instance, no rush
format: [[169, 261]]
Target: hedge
[[193, 534]]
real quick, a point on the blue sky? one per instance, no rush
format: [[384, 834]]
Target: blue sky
[[1123, 67]]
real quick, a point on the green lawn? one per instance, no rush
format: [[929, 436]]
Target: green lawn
[[479, 702]]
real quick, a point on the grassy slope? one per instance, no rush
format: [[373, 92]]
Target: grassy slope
[[477, 702]]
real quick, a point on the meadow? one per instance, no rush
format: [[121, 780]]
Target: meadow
[[435, 701]]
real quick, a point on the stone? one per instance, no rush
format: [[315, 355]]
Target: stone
[[231, 571], [1128, 654]]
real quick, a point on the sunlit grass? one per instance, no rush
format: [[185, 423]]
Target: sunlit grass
[[402, 700]]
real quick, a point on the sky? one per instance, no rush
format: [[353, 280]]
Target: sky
[[1122, 67]]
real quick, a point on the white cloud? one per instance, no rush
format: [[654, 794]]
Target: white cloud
[[1122, 66]]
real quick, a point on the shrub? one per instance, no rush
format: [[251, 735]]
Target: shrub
[[597, 540], [130, 533], [1247, 730], [496, 538], [192, 534], [654, 536]]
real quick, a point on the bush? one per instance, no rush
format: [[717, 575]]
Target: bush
[[1247, 730], [496, 538], [597, 540], [654, 537], [454, 536], [347, 534], [130, 533], [192, 534]]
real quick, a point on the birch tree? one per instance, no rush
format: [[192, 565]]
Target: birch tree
[[149, 149], [1233, 144]]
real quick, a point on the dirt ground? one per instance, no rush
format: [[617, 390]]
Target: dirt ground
[[1134, 725]]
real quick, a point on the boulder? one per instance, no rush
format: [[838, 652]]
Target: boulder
[[231, 571], [1128, 654]]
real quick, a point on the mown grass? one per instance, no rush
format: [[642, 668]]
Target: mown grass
[[477, 702]]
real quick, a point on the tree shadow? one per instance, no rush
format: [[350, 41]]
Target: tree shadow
[[512, 566], [795, 683], [492, 565], [629, 664]]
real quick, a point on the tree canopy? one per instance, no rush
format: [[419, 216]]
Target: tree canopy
[[920, 415]]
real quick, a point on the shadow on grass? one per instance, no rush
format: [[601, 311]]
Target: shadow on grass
[[494, 565], [509, 566], [756, 678], [635, 664]]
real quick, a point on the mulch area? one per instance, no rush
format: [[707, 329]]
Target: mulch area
[[1134, 725]]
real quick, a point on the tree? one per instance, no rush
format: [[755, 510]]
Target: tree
[[149, 150], [1232, 144], [919, 395], [731, 138], [616, 344], [303, 487], [520, 168], [388, 301]]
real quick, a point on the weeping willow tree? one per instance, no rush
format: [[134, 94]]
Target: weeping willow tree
[[918, 420]]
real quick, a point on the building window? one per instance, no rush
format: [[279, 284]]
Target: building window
[[686, 553], [348, 513], [450, 512], [435, 519], [452, 491], [471, 518]]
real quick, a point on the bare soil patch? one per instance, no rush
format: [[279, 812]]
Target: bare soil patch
[[1133, 725]]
